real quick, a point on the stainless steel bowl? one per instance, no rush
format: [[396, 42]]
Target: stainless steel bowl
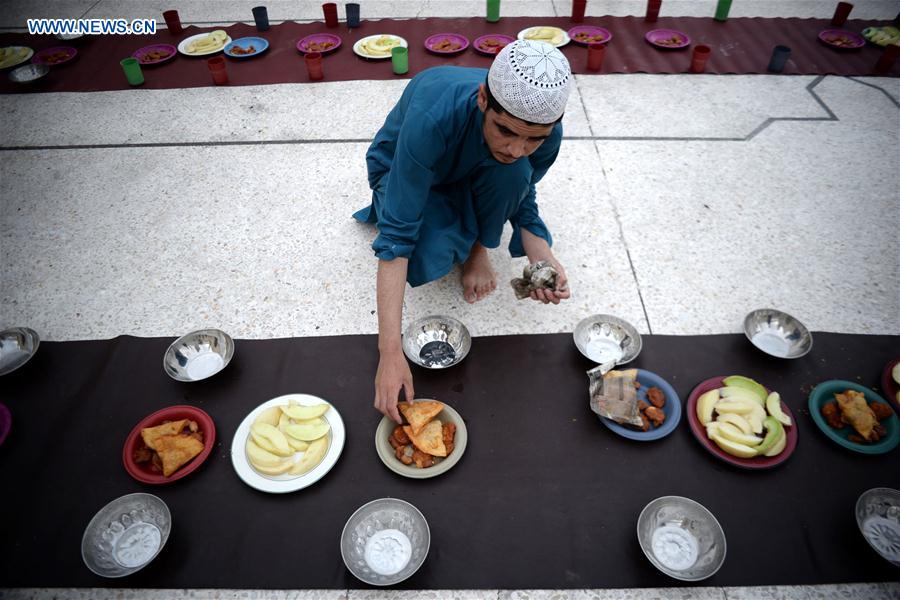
[[605, 338], [69, 37], [198, 355], [436, 342], [878, 518], [126, 535], [777, 333], [676, 521], [17, 346], [380, 515], [28, 73]]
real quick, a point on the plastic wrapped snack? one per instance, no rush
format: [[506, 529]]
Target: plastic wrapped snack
[[613, 394], [540, 275]]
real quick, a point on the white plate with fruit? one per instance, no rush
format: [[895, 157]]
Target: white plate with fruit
[[288, 443], [741, 422]]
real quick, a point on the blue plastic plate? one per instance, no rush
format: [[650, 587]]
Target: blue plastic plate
[[672, 409], [259, 44]]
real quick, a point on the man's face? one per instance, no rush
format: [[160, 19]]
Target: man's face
[[509, 138]]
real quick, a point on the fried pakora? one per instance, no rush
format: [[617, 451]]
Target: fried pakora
[[656, 397], [433, 440], [856, 412], [880, 410], [656, 415], [832, 415], [169, 446], [642, 405]]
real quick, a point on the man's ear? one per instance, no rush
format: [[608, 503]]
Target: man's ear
[[482, 98]]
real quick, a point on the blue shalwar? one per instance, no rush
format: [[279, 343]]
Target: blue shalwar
[[436, 188]]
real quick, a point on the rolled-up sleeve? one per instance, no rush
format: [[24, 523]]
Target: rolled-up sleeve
[[527, 216], [420, 144]]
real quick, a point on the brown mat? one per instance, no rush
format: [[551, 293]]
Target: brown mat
[[740, 46]]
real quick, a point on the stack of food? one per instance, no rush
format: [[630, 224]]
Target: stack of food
[[169, 446], [651, 411], [213, 41], [380, 46], [882, 36], [280, 432], [852, 409], [425, 440], [548, 35]]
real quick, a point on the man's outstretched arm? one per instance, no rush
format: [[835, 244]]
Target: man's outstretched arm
[[393, 370]]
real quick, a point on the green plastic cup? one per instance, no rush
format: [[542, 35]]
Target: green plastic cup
[[400, 60], [722, 10], [493, 10], [132, 69]]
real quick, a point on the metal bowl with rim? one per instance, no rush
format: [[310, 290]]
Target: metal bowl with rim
[[436, 342], [362, 540], [878, 518], [605, 338], [126, 535], [777, 333], [681, 538], [198, 355], [17, 346], [28, 73]]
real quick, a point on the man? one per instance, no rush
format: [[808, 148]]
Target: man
[[457, 157]]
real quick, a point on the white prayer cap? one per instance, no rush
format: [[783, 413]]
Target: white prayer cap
[[531, 81]]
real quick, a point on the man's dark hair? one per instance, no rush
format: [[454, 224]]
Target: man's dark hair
[[495, 106]]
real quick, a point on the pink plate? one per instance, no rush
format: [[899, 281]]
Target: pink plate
[[603, 35], [54, 54], [141, 54], [842, 39], [757, 462], [142, 471], [5, 423], [668, 39], [501, 40], [319, 38], [454, 38], [889, 387]]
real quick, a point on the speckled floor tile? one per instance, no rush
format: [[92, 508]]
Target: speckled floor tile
[[692, 593], [820, 9], [423, 594], [144, 594], [478, 8]]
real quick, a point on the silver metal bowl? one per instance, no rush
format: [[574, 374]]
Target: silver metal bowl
[[436, 342], [198, 355], [777, 333], [69, 37], [681, 538], [878, 518], [381, 515], [17, 346], [28, 73], [605, 338], [126, 535]]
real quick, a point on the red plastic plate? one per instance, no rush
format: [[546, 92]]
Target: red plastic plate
[[142, 472]]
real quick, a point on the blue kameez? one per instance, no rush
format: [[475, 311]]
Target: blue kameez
[[436, 188]]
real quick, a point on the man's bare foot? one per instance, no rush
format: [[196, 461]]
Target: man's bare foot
[[478, 277]]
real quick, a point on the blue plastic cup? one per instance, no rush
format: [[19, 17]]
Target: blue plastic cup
[[780, 56], [352, 9]]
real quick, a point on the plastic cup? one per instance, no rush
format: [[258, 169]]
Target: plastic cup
[[330, 10], [700, 58], [596, 52], [841, 12], [493, 10], [400, 60], [652, 10], [352, 9], [217, 68], [261, 16], [173, 22], [132, 69], [780, 55], [888, 58], [314, 66], [578, 7], [722, 9]]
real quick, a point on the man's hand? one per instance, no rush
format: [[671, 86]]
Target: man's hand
[[560, 292], [392, 376]]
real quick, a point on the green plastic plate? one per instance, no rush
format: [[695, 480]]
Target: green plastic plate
[[824, 393]]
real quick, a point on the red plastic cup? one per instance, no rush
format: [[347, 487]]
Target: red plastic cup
[[652, 10], [578, 7], [173, 21], [841, 13], [699, 58], [888, 58], [217, 68], [330, 10], [596, 52], [314, 66]]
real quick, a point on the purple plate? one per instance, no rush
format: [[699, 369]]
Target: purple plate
[[589, 31], [669, 39], [842, 39], [141, 54], [5, 422], [319, 38], [454, 38], [53, 57], [500, 39]]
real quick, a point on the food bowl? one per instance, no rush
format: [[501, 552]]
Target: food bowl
[[28, 73], [878, 518], [17, 346], [681, 538], [365, 548], [605, 338], [777, 333], [198, 355], [388, 456], [126, 535], [70, 37], [436, 342]]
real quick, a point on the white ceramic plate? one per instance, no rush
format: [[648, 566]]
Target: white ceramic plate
[[565, 41], [357, 47], [12, 62], [282, 484], [388, 457], [183, 44]]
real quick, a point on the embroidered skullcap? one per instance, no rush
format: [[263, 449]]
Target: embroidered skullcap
[[531, 81]]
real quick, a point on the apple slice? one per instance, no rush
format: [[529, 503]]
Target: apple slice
[[733, 448], [739, 393], [740, 407], [261, 458], [774, 431], [307, 432], [746, 383], [304, 413], [281, 469], [779, 445], [311, 458], [756, 418], [270, 439], [269, 416], [773, 405], [705, 404], [730, 432], [737, 420]]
